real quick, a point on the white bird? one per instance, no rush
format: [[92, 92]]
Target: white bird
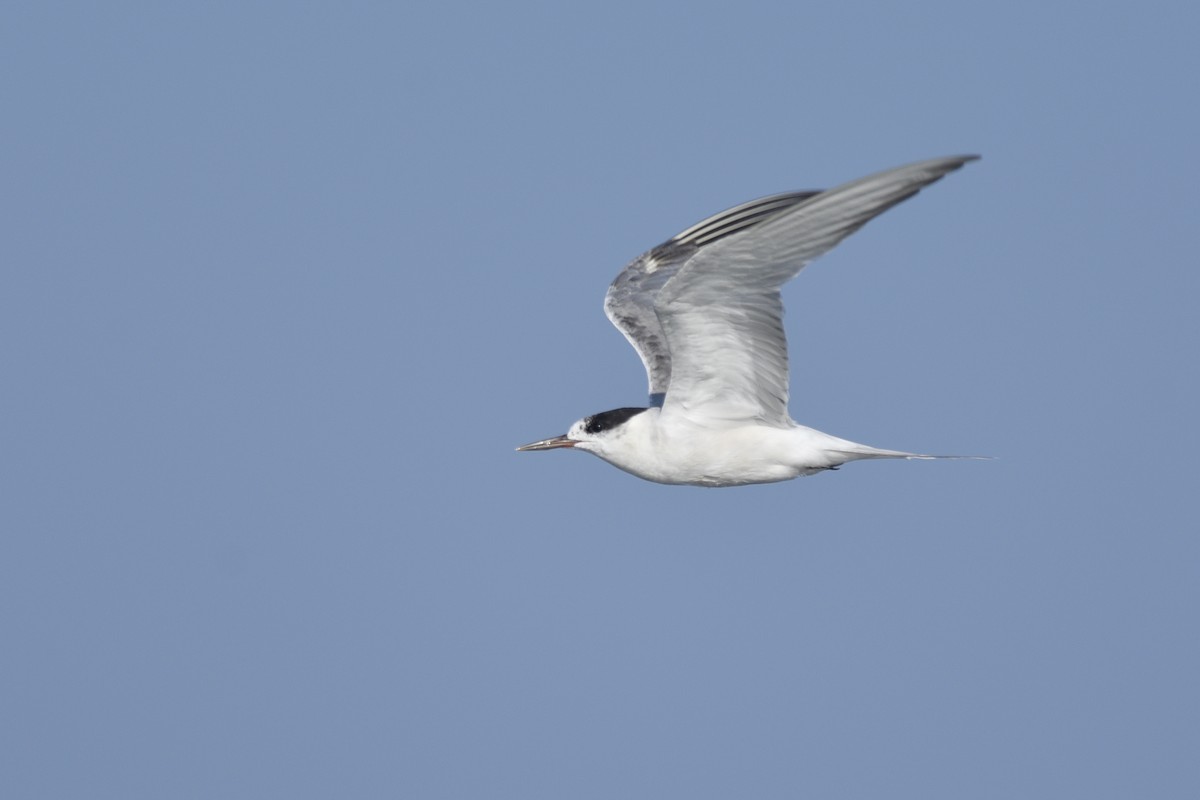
[[703, 311]]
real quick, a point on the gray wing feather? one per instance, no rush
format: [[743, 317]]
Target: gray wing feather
[[720, 312], [630, 301]]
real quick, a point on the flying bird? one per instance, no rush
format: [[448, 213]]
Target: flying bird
[[703, 311]]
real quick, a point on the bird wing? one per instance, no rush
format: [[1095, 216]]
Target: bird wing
[[630, 301], [721, 313]]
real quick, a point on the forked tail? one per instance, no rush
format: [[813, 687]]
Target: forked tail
[[862, 451]]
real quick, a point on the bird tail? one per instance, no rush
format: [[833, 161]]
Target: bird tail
[[861, 451]]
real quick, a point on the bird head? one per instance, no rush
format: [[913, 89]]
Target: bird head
[[590, 433]]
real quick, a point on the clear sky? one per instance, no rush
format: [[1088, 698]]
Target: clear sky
[[285, 283]]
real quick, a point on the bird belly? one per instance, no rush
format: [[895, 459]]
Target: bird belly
[[732, 457]]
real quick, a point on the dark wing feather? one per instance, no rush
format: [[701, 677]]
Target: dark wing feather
[[721, 312], [630, 301]]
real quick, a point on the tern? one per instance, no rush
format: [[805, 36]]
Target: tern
[[704, 313]]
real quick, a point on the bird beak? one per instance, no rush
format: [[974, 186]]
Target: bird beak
[[548, 444]]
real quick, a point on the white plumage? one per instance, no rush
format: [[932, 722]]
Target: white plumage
[[703, 310]]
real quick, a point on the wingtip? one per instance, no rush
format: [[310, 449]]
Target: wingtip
[[955, 162], [944, 164], [963, 160]]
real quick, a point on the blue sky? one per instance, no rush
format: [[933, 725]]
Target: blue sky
[[286, 283]]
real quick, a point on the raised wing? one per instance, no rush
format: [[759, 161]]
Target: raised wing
[[721, 312], [630, 301]]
